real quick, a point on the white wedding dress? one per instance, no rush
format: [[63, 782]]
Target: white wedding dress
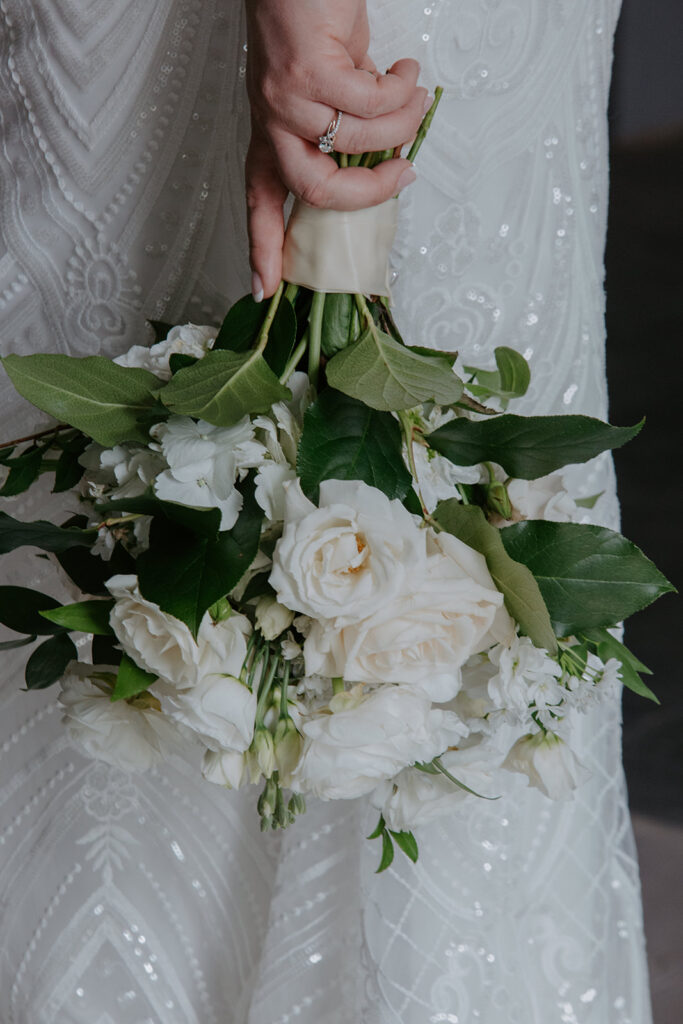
[[153, 899]]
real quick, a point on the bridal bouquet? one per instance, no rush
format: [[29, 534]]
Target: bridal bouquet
[[316, 560]]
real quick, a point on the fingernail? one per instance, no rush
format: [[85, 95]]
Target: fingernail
[[257, 287], [428, 102], [407, 178]]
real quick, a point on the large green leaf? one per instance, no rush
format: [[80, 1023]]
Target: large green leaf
[[68, 470], [185, 573], [241, 325], [281, 337], [510, 380], [48, 662], [223, 387], [41, 534], [131, 680], [20, 609], [83, 616], [523, 598], [345, 440], [387, 376], [99, 397], [23, 471], [589, 576], [206, 521], [528, 447], [89, 571]]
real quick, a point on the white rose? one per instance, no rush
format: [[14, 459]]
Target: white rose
[[133, 736], [450, 612], [187, 339], [272, 618], [225, 768], [342, 560], [415, 798], [219, 709], [370, 737], [548, 763], [164, 645], [545, 498], [203, 464]]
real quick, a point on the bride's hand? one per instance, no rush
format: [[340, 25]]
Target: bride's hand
[[307, 60]]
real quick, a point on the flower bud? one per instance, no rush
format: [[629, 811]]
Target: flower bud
[[272, 618], [264, 750], [297, 804], [267, 801], [498, 500], [288, 746]]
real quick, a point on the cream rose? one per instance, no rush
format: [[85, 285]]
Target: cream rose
[[423, 637], [219, 710], [164, 645], [364, 738], [340, 561], [133, 736]]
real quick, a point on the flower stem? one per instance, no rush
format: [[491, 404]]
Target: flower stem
[[34, 437], [294, 358], [314, 344], [291, 292], [262, 339], [284, 707], [408, 430], [269, 670], [424, 127], [337, 685]]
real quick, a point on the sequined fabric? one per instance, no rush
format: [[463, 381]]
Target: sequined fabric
[[153, 899]]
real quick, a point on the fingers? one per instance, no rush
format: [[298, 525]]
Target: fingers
[[266, 195], [363, 95], [363, 135], [318, 181]]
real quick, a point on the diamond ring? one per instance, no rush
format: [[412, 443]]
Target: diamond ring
[[326, 141]]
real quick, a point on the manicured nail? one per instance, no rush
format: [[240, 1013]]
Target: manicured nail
[[257, 287], [407, 178], [428, 102]]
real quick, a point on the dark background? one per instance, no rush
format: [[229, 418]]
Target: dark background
[[644, 280]]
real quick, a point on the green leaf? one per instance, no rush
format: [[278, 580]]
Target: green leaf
[[338, 322], [24, 470], [223, 387], [20, 609], [381, 825], [104, 650], [523, 597], [387, 376], [10, 645], [343, 439], [69, 471], [48, 662], [589, 576], [281, 337], [241, 325], [131, 680], [185, 573], [607, 646], [40, 534], [96, 396], [407, 842], [83, 616], [205, 521], [387, 852], [161, 329], [179, 360], [528, 447], [514, 372], [89, 571]]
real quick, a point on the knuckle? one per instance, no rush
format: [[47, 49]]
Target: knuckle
[[314, 193]]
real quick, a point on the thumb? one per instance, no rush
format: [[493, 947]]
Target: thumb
[[266, 196]]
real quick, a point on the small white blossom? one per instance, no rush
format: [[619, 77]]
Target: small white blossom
[[526, 675], [548, 763], [186, 339]]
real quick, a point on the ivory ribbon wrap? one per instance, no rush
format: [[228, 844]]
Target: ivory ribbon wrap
[[340, 250]]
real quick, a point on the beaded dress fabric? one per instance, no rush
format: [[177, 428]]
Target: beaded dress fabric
[[153, 899]]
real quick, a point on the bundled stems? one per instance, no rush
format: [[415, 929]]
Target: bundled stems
[[315, 340], [424, 127]]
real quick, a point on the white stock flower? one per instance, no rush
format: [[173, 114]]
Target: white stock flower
[[548, 763], [164, 645], [526, 674], [370, 737], [133, 736], [544, 498], [203, 464], [352, 554], [225, 768], [187, 339], [443, 616], [415, 798]]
